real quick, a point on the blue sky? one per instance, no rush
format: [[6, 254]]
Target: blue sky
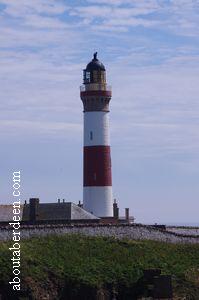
[[150, 50]]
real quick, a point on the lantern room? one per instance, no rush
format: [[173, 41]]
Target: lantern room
[[95, 72]]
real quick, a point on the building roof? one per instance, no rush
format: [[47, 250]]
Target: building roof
[[77, 212], [48, 211], [58, 211]]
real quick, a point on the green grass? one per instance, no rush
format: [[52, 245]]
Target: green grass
[[100, 262]]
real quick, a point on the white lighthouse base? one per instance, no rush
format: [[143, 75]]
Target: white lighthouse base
[[98, 200]]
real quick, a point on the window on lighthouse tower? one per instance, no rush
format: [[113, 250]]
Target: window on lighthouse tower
[[91, 135]]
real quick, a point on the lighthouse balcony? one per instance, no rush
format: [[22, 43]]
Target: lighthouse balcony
[[95, 87]]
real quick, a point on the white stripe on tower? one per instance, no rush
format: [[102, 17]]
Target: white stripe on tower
[[96, 128], [96, 200]]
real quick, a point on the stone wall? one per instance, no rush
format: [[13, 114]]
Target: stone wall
[[134, 232], [184, 230]]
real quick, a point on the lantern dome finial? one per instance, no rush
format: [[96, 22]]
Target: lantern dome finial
[[95, 56]]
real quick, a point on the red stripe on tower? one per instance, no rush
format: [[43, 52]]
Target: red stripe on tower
[[97, 166]]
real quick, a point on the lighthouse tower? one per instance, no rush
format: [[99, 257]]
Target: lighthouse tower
[[96, 95]]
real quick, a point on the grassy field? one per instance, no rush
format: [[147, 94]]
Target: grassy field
[[56, 264]]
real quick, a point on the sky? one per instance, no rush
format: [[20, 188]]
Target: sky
[[151, 52]]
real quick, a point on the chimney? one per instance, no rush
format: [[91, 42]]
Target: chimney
[[63, 200], [58, 200], [25, 202], [80, 204], [127, 214], [115, 210], [33, 211]]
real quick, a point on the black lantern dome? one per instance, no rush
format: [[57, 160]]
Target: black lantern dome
[[95, 64]]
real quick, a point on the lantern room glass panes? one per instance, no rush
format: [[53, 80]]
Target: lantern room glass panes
[[94, 76], [87, 77]]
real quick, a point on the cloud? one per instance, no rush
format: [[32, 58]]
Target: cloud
[[36, 129], [111, 2], [44, 63], [179, 18], [25, 7], [34, 14], [105, 17], [158, 106], [45, 89], [131, 22], [44, 22], [130, 3], [109, 12]]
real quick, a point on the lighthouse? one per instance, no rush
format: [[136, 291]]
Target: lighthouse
[[97, 178]]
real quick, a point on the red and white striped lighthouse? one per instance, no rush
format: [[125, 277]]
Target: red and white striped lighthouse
[[96, 95]]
